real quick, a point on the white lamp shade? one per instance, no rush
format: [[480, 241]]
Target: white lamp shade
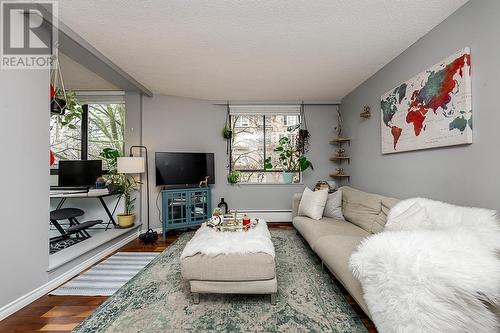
[[130, 164]]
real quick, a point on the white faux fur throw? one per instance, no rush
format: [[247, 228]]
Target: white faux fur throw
[[441, 274], [210, 242]]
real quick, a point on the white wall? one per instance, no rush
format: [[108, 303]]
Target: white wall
[[24, 194], [192, 125], [466, 175]]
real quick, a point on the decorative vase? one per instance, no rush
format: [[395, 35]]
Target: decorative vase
[[288, 177], [126, 220], [223, 205]]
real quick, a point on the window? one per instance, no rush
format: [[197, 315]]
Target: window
[[255, 136], [99, 126]]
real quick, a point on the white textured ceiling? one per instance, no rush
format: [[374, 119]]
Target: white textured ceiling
[[253, 50]]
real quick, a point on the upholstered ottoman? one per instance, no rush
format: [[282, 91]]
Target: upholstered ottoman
[[230, 262]]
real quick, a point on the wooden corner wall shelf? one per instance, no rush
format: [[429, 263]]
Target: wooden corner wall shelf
[[338, 175], [339, 141], [340, 159]]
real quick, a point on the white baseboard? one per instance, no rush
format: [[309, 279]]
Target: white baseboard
[[269, 215], [32, 296]]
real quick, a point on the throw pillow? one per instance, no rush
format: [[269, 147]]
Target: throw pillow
[[414, 217], [312, 203], [333, 206]]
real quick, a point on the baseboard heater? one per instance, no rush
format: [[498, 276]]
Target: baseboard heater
[[280, 215]]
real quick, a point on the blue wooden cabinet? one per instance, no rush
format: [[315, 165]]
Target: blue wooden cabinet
[[182, 208]]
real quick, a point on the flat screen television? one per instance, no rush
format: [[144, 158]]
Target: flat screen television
[[77, 173], [183, 169]]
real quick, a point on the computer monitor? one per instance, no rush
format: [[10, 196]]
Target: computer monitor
[[76, 173]]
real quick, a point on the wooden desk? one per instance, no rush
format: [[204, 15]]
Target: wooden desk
[[83, 195]]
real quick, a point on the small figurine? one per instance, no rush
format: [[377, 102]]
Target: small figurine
[[215, 221], [217, 212], [246, 220], [340, 152], [204, 183], [340, 171]]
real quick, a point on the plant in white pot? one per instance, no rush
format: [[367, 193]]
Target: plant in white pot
[[291, 159], [127, 187]]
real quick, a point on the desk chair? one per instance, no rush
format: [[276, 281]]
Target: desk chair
[[75, 227]]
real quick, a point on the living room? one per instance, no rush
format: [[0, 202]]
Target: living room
[[264, 166]]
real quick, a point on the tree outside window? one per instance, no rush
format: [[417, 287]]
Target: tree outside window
[[254, 139], [104, 128]]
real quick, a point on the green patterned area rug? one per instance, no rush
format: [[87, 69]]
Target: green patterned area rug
[[157, 300]]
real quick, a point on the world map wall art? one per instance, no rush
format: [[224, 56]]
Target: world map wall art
[[433, 109]]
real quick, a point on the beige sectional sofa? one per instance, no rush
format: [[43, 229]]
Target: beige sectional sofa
[[334, 240]]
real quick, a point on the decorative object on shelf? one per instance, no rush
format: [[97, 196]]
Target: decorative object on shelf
[[234, 177], [223, 205], [340, 171], [204, 183], [303, 134], [366, 114], [340, 152], [338, 128], [291, 160], [432, 109]]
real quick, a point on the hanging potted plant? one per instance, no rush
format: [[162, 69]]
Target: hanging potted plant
[[227, 132], [234, 177], [303, 135], [127, 186], [290, 159]]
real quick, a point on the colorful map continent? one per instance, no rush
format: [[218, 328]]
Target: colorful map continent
[[436, 93], [389, 109]]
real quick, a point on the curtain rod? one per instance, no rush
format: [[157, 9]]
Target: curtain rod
[[278, 104]]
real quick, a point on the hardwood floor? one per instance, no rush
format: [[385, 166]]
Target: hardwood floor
[[63, 313]]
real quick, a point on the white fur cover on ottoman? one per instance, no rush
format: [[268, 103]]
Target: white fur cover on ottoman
[[435, 268]]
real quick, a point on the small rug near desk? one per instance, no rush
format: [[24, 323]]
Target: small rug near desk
[[105, 278], [158, 300]]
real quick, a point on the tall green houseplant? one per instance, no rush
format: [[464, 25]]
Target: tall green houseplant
[[128, 186]]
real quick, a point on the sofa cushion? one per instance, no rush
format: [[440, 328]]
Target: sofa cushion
[[333, 206], [360, 208], [313, 203], [335, 251], [313, 230], [381, 219]]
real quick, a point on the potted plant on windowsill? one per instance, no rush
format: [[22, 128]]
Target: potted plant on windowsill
[[290, 158], [234, 177], [127, 187], [113, 180]]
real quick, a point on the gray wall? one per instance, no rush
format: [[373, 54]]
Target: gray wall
[[466, 175], [183, 124], [24, 192]]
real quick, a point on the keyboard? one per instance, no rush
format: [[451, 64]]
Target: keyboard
[[69, 188]]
